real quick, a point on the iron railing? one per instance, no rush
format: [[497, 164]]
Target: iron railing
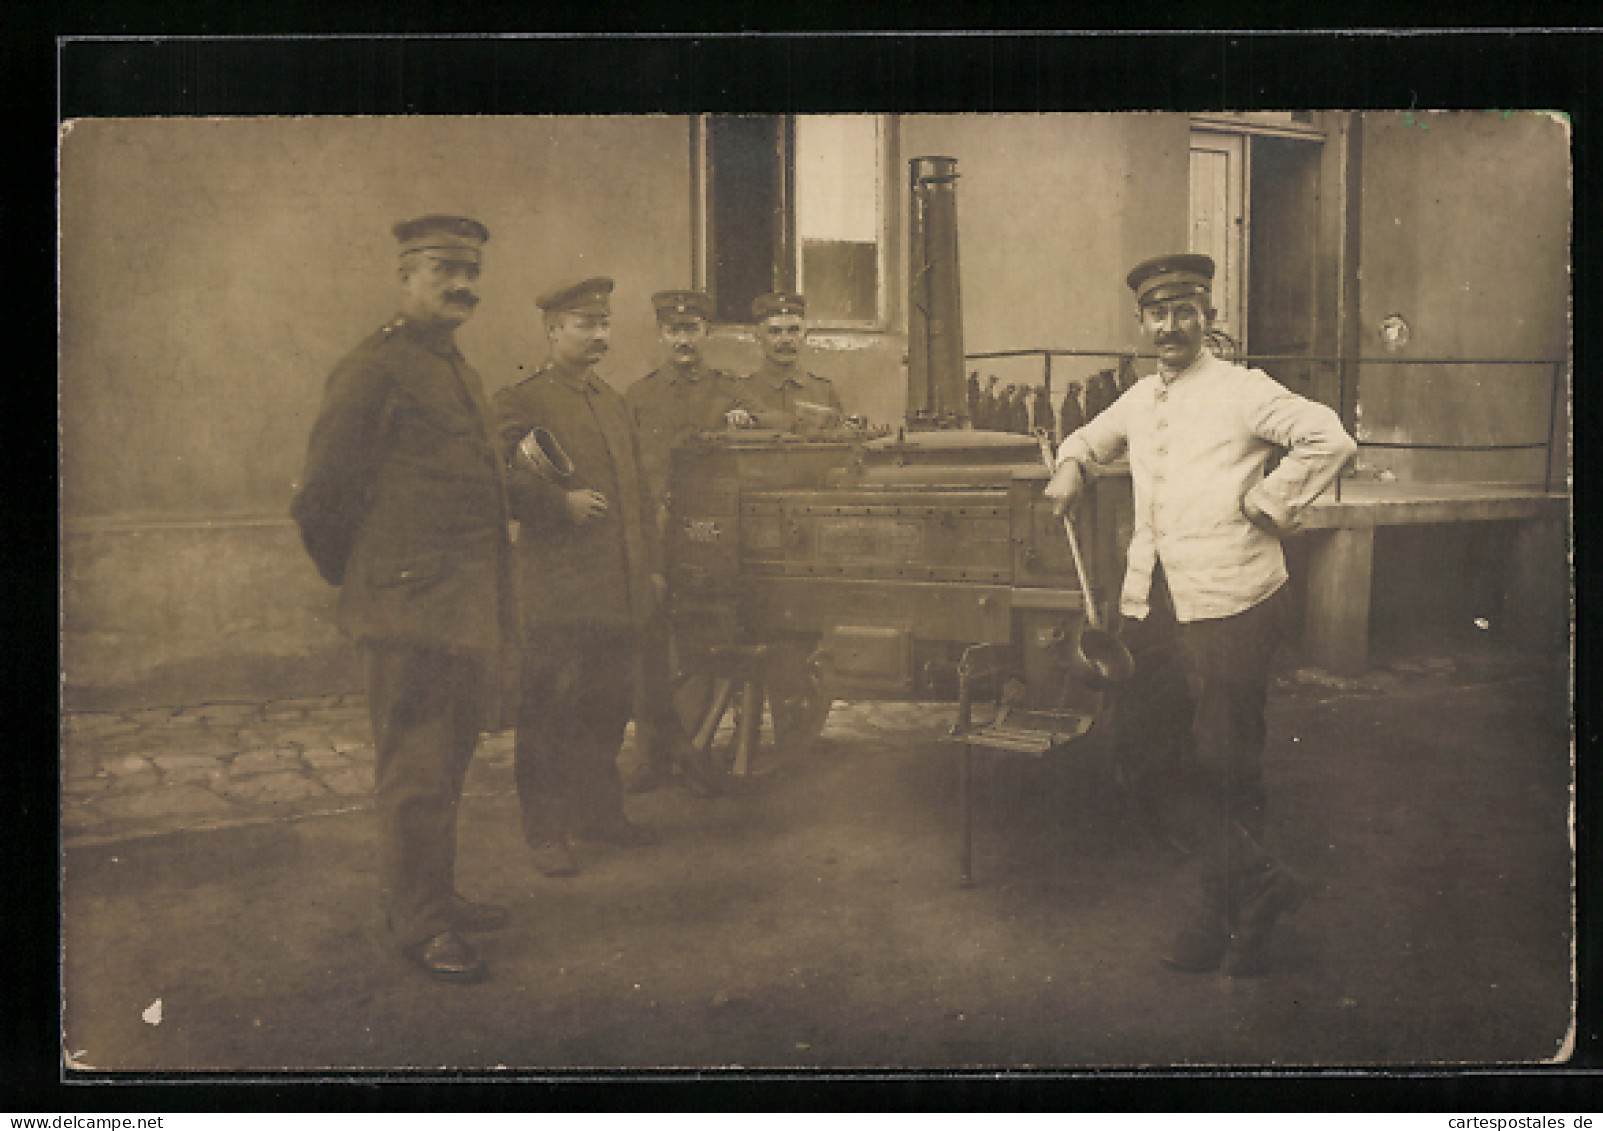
[[1348, 373]]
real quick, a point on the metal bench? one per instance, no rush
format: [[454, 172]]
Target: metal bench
[[1013, 729]]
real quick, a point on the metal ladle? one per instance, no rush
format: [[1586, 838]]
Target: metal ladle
[[1097, 658]]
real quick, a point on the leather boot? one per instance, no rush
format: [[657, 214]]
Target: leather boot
[[554, 857], [1267, 897], [448, 958], [648, 776]]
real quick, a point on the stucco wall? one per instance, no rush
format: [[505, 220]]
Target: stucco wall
[[212, 274], [1465, 234], [1053, 210]]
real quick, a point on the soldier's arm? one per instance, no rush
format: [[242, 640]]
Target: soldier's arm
[[740, 396], [1102, 440], [634, 401], [1097, 442], [340, 455], [652, 454], [1317, 448], [649, 508], [775, 418], [762, 415], [731, 413], [532, 498]]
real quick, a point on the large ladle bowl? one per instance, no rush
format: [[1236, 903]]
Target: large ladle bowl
[[1096, 658]]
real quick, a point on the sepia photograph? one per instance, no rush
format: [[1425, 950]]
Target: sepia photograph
[[691, 592]]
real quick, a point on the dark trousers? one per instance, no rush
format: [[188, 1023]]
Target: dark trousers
[[656, 718], [577, 696], [425, 705], [1191, 730]]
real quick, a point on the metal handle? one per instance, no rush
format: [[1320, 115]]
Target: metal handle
[[1079, 569], [1068, 528]]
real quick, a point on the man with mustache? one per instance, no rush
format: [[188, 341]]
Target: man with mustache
[[1204, 595], [587, 556], [403, 506], [668, 406], [783, 395], [773, 393]]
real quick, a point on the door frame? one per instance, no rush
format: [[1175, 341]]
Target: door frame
[[1231, 297]]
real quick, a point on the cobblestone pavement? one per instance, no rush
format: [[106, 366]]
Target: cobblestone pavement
[[163, 769], [159, 769]]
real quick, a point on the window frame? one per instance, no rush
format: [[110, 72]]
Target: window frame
[[701, 235]]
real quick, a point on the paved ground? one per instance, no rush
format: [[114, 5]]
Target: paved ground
[[218, 861]]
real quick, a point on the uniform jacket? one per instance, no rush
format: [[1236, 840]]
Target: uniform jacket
[[1198, 441], [599, 573], [771, 395], [403, 452], [671, 404]]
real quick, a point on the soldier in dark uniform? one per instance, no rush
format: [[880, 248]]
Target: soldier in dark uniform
[[773, 393], [588, 573], [668, 406], [404, 506], [776, 396]]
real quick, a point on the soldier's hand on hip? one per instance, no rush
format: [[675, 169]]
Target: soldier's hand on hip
[[1065, 486], [1261, 519], [586, 506]]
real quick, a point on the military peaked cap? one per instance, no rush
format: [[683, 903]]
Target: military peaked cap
[[780, 302], [591, 296], [1171, 276], [682, 304], [455, 234]]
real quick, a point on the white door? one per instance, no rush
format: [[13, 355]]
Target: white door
[[1219, 204]]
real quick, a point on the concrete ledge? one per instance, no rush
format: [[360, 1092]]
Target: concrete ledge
[[1365, 504], [1342, 551]]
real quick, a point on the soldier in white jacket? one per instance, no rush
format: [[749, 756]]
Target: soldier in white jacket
[[1204, 592]]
